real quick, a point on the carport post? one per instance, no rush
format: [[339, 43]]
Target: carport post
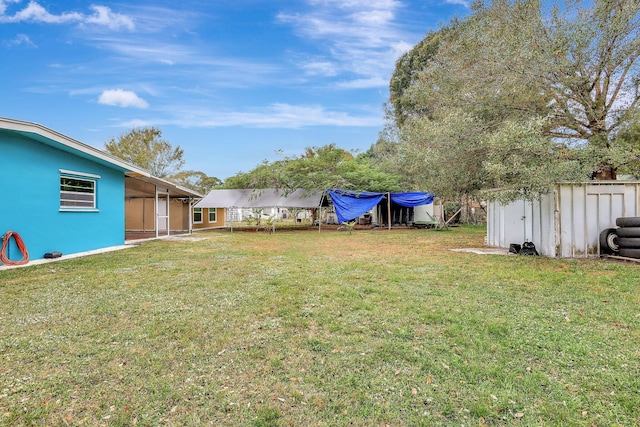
[[389, 209], [192, 201], [320, 211]]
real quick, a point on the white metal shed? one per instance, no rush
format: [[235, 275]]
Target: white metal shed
[[565, 222]]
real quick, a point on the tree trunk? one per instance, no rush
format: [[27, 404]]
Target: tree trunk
[[605, 172]]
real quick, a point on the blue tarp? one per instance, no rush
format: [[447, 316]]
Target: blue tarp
[[350, 205], [410, 200]]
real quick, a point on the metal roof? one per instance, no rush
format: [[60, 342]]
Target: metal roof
[[261, 198]]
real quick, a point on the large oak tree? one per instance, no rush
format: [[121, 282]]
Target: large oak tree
[[520, 94]]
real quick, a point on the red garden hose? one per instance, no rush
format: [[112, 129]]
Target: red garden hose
[[4, 258]]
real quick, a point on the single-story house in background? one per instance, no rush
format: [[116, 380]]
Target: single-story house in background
[[220, 208], [65, 196], [567, 221]]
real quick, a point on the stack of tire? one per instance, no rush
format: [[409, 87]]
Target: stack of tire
[[624, 240], [628, 232]]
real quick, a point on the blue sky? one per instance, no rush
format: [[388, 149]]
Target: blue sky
[[232, 82]]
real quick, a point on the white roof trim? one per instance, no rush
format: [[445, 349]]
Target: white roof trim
[[21, 126], [82, 174]]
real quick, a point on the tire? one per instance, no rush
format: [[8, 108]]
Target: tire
[[608, 242], [630, 253], [628, 242], [628, 221], [628, 232]]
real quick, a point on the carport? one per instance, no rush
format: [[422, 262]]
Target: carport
[[155, 207]]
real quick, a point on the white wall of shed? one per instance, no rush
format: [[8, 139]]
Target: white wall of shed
[[584, 210], [522, 221], [568, 221], [424, 213]]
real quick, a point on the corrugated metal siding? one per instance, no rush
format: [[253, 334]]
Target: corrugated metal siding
[[567, 222], [505, 223], [522, 221]]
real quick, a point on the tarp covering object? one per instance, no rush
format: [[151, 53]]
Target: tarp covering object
[[410, 200], [350, 205]]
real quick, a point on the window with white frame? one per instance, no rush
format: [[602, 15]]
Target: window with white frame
[[213, 215], [77, 191], [197, 215]]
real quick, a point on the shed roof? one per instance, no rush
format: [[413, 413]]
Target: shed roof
[[261, 198]]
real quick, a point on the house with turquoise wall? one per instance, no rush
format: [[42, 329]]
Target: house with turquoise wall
[[61, 195]]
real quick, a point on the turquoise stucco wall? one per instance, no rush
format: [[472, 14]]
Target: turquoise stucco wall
[[30, 199]]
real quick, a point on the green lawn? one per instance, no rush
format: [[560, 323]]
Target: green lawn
[[320, 329]]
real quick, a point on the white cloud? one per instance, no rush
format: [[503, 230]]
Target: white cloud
[[401, 47], [187, 62], [465, 3], [367, 23], [3, 5], [278, 115], [296, 116], [19, 40], [319, 68], [361, 39], [142, 49], [104, 16], [135, 123], [34, 12], [356, 4], [371, 82], [122, 98], [374, 17]]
